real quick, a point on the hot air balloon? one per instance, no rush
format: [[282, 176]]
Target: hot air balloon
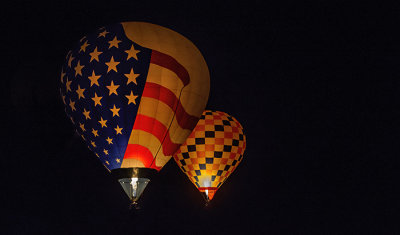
[[134, 92], [212, 151]]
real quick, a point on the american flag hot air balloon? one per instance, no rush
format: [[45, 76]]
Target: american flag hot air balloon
[[134, 92]]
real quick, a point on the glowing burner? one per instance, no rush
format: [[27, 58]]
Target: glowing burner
[[134, 187]]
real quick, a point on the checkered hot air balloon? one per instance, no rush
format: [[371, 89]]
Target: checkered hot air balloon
[[212, 151], [134, 92]]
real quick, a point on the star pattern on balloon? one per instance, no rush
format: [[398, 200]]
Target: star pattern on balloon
[[131, 77], [94, 55], [98, 85]]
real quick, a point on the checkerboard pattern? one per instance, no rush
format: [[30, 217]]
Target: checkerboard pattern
[[212, 151]]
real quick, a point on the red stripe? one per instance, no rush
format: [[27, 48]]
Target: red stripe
[[156, 91], [156, 128], [208, 188], [141, 153], [170, 63]]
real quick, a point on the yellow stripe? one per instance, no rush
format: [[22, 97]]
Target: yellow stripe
[[165, 78], [131, 162]]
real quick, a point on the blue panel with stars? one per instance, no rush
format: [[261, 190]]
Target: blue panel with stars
[[101, 85]]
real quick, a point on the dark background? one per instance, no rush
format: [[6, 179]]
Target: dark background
[[315, 85]]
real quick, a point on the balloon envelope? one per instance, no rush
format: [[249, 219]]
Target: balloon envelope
[[134, 91], [212, 151]]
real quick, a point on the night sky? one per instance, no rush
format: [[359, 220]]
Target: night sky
[[315, 85]]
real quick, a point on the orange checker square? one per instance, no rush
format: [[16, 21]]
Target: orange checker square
[[209, 154], [190, 141], [217, 116], [217, 161], [241, 144], [219, 147], [210, 141], [215, 166], [209, 122], [234, 149], [190, 167], [227, 128], [200, 147], [199, 134], [235, 135], [228, 135], [233, 155], [240, 150], [218, 122], [203, 173], [209, 147], [183, 149], [214, 172], [192, 155], [187, 162], [227, 141], [208, 117], [219, 141], [219, 134], [209, 167], [208, 172], [226, 155], [194, 161], [209, 128], [201, 154], [224, 161], [200, 127], [202, 160]]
